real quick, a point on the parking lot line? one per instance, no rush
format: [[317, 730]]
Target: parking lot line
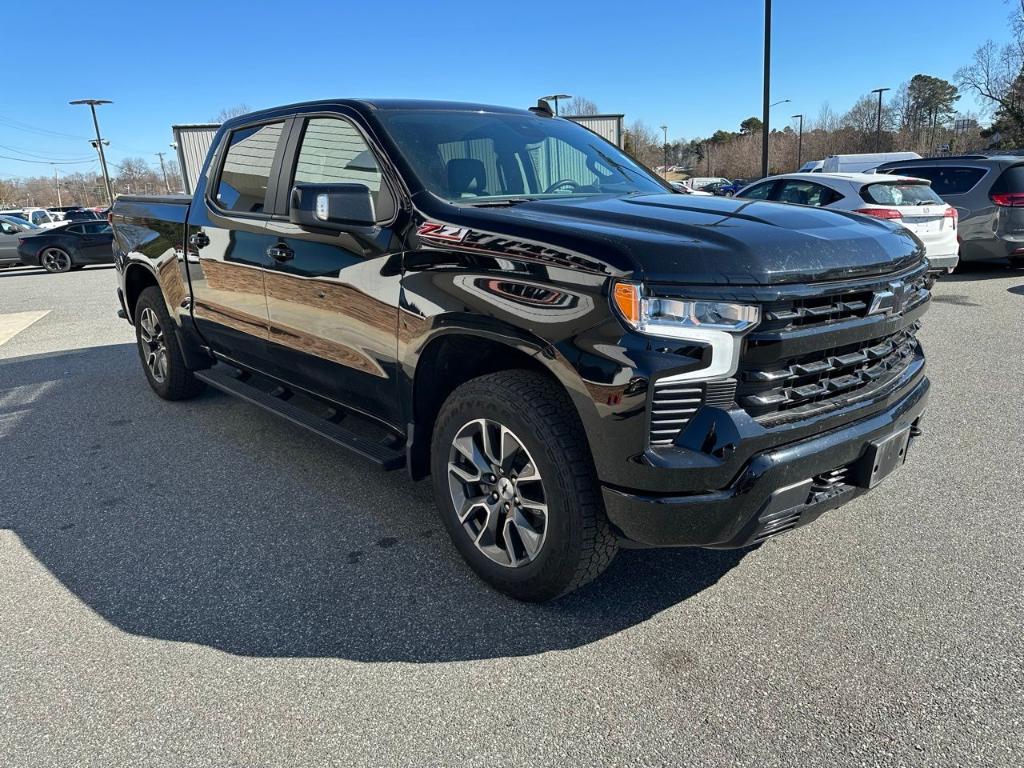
[[16, 322]]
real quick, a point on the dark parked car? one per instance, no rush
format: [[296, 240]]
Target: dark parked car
[[504, 301], [11, 229], [988, 194], [70, 246], [82, 214]]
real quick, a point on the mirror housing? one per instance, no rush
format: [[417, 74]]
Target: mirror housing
[[332, 206]]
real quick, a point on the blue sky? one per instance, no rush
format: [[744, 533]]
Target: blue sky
[[693, 64]]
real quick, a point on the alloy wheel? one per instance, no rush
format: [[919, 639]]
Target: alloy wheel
[[151, 341], [56, 260], [498, 493]]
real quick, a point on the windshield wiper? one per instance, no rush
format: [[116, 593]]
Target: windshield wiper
[[504, 203]]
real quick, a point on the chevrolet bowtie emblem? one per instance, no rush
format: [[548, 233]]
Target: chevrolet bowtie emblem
[[891, 301]]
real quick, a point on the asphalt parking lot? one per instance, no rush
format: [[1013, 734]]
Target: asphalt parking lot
[[203, 584]]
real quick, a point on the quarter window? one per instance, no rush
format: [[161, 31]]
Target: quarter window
[[243, 179]]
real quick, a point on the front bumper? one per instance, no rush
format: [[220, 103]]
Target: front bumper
[[778, 489]]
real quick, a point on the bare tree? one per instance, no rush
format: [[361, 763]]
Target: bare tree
[[579, 106], [228, 112]]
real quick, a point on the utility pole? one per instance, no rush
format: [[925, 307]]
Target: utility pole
[[664, 129], [56, 182], [163, 170], [93, 103], [767, 85], [878, 128], [799, 141]]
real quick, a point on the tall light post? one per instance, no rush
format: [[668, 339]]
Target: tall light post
[[767, 85], [878, 128], [664, 172], [555, 98], [93, 103], [799, 140]]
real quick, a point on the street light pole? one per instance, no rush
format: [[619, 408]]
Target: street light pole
[[767, 85], [555, 97], [799, 140], [163, 170], [664, 172], [878, 128], [93, 103]]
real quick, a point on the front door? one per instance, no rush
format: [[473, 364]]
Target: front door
[[333, 296], [95, 246], [227, 242], [9, 234]]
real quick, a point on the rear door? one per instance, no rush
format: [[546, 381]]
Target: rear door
[[227, 241], [333, 300], [960, 185], [803, 192]]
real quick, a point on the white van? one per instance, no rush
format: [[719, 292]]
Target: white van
[[38, 216], [863, 163], [811, 166]]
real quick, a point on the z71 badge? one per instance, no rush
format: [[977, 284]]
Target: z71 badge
[[447, 232]]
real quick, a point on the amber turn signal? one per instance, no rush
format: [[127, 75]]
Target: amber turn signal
[[627, 301]]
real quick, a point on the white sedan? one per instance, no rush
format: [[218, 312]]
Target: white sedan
[[907, 201]]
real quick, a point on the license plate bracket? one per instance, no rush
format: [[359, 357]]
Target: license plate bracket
[[882, 458]]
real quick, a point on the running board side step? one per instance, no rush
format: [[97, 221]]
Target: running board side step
[[237, 383]]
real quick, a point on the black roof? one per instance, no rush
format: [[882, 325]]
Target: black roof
[[373, 105], [1000, 158]]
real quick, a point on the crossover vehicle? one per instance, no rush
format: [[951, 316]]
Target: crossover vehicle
[[988, 194], [504, 302], [907, 201]]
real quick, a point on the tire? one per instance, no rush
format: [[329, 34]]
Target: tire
[[55, 260], [158, 348], [571, 542], [1017, 262]]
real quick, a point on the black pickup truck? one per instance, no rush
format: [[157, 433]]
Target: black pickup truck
[[501, 300]]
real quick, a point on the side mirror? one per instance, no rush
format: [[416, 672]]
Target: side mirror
[[332, 206]]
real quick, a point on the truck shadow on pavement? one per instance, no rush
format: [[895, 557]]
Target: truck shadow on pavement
[[211, 522]]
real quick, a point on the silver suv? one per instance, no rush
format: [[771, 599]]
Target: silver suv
[[988, 194]]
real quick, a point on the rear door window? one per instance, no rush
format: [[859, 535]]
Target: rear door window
[[805, 193], [242, 185], [946, 180], [758, 191], [900, 193]]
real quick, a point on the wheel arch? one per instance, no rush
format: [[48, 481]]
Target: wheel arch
[[457, 355], [137, 278]]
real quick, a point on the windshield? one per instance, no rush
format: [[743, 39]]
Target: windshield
[[17, 221], [901, 193], [473, 157]]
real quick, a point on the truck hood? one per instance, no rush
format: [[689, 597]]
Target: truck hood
[[704, 240]]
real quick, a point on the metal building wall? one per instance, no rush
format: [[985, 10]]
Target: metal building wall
[[608, 127], [193, 142]]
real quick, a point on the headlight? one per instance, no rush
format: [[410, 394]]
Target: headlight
[[718, 323]]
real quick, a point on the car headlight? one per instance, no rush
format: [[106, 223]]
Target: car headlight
[[718, 323]]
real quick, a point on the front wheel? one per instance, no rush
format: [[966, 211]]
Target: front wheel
[[516, 488], [55, 260], [158, 348]]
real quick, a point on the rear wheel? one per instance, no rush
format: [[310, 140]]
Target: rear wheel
[[55, 260], [516, 487], [159, 351]]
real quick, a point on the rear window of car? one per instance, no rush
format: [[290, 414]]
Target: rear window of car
[[900, 193], [946, 180], [1011, 180]]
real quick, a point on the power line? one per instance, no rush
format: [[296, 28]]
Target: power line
[[48, 162], [48, 156], [28, 128]]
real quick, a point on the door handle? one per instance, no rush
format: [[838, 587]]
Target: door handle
[[199, 239], [280, 252]]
